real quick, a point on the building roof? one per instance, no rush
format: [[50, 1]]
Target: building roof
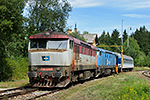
[[90, 38]]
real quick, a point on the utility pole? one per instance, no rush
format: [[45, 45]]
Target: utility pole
[[122, 33], [128, 36]]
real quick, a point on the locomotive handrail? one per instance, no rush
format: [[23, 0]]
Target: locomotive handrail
[[117, 46]]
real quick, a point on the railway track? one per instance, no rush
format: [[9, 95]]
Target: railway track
[[26, 93], [146, 73], [29, 93], [14, 92], [33, 98]]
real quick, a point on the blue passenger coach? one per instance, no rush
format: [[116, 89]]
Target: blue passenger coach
[[106, 61], [128, 62]]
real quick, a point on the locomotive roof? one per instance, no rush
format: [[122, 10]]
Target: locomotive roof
[[107, 51], [52, 35], [124, 56], [58, 35]]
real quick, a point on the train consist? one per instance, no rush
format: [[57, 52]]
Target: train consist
[[57, 59]]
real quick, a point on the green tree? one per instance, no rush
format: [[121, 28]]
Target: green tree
[[78, 36], [11, 19], [125, 36], [86, 32], [47, 14], [115, 38], [148, 59], [11, 37], [107, 39], [133, 50], [142, 37], [102, 38]]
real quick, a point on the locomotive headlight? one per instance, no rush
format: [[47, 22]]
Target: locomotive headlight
[[46, 34], [58, 69], [35, 68]]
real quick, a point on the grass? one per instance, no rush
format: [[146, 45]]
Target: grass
[[11, 84], [126, 86], [141, 68]]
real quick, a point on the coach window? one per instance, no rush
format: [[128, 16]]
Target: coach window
[[85, 50], [81, 49], [110, 56], [100, 53], [89, 52]]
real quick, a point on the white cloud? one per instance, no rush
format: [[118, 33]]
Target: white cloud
[[127, 4], [139, 5], [136, 15], [85, 3]]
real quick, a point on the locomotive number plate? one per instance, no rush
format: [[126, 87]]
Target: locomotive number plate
[[46, 69]]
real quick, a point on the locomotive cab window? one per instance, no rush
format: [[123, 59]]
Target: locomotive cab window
[[38, 44], [100, 53], [71, 44], [57, 44]]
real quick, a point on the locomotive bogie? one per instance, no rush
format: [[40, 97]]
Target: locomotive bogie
[[49, 76]]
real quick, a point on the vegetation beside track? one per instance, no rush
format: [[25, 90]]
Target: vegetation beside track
[[141, 68], [12, 84], [126, 86], [130, 85], [15, 69]]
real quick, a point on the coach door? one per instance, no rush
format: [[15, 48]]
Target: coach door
[[76, 57]]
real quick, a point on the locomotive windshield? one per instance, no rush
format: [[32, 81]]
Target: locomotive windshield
[[57, 44], [37, 44]]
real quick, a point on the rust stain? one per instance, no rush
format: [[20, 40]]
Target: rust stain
[[86, 59], [72, 65], [96, 62], [47, 50]]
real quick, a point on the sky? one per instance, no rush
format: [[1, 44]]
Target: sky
[[96, 16]]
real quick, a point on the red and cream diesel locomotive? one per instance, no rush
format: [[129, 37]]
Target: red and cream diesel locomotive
[[56, 59]]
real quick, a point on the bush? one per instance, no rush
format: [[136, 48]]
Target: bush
[[135, 91], [15, 69]]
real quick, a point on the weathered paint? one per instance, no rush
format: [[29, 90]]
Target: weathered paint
[[51, 36], [47, 62]]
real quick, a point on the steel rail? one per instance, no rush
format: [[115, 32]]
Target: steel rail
[[146, 73], [2, 91], [44, 94], [17, 93]]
